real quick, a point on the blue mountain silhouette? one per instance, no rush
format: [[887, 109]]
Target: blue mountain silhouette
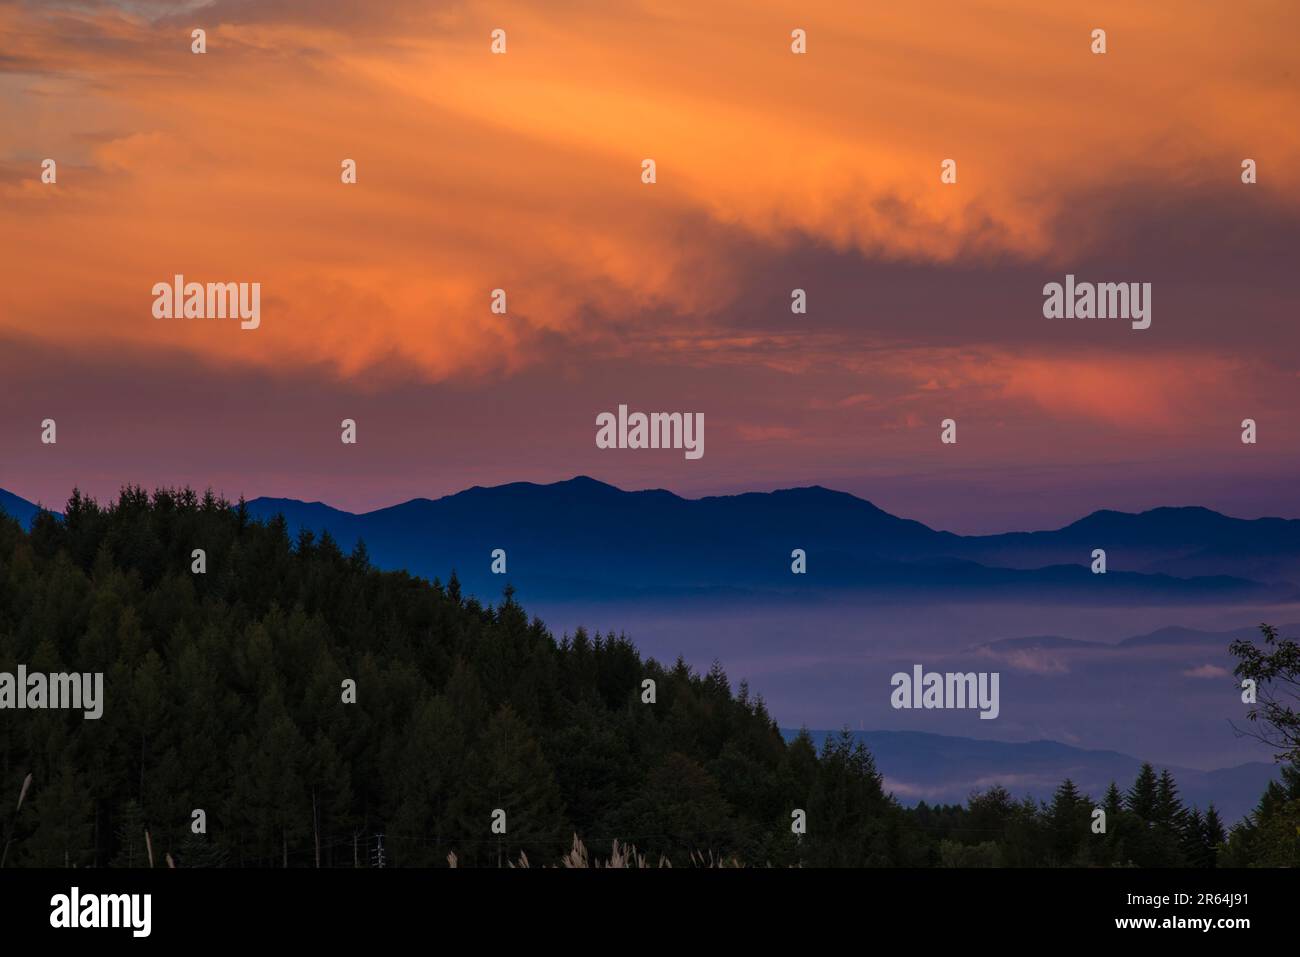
[[18, 508], [585, 539], [937, 768]]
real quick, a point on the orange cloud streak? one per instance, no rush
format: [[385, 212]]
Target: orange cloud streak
[[522, 171]]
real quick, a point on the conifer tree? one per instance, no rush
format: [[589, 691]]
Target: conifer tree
[[129, 832], [507, 771], [1069, 817], [1113, 803], [1213, 835], [1141, 797], [62, 811], [1168, 810], [1195, 850]]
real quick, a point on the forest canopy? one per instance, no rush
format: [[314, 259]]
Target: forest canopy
[[224, 692]]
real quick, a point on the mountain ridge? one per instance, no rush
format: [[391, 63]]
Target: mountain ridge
[[559, 534], [7, 497], [922, 765]]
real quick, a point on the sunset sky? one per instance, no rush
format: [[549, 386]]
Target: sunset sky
[[775, 171]]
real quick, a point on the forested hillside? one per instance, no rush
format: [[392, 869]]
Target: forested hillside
[[226, 691]]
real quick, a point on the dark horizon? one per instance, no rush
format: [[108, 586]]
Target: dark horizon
[[684, 495], [710, 578]]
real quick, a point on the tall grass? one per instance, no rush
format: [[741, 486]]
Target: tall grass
[[621, 856]]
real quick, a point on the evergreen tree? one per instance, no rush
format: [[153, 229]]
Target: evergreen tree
[[62, 810], [1069, 818], [1213, 836], [1270, 835], [1195, 851], [849, 817], [197, 850], [1168, 810], [129, 832], [679, 813], [507, 771], [1113, 803], [1141, 797], [226, 696]]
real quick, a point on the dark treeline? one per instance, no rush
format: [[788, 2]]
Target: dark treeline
[[223, 691]]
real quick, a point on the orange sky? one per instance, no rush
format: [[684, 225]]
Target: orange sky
[[522, 171]]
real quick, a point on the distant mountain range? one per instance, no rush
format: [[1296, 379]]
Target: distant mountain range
[[1174, 636], [585, 539], [19, 508], [919, 766]]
